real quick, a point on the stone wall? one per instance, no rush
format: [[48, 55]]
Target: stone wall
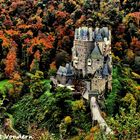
[[80, 53], [98, 84]]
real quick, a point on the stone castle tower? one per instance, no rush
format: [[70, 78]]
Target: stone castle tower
[[83, 45], [91, 55]]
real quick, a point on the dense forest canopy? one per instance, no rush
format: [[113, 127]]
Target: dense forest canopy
[[36, 37]]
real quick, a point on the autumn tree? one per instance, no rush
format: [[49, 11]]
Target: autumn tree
[[11, 62], [17, 86]]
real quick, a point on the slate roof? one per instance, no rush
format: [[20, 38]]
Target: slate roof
[[106, 70], [66, 71], [98, 37], [96, 53], [105, 32], [100, 34]]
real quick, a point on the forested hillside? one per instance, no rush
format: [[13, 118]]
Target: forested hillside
[[36, 38]]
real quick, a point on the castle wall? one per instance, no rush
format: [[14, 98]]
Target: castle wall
[[80, 53], [95, 65], [98, 85]]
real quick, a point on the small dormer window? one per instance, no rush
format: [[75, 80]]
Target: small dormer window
[[89, 62]]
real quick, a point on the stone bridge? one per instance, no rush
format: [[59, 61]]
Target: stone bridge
[[95, 110]]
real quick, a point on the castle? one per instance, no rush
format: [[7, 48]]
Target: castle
[[91, 59]]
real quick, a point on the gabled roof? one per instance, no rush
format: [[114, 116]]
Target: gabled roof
[[61, 70], [66, 71], [96, 53]]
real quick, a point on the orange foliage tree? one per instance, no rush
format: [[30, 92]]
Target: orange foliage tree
[[135, 43], [42, 41], [6, 41], [16, 81], [10, 62], [136, 16]]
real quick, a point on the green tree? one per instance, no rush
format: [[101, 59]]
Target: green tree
[[37, 85], [46, 111], [112, 98]]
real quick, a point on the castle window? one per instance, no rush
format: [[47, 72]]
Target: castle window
[[75, 61], [89, 62]]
